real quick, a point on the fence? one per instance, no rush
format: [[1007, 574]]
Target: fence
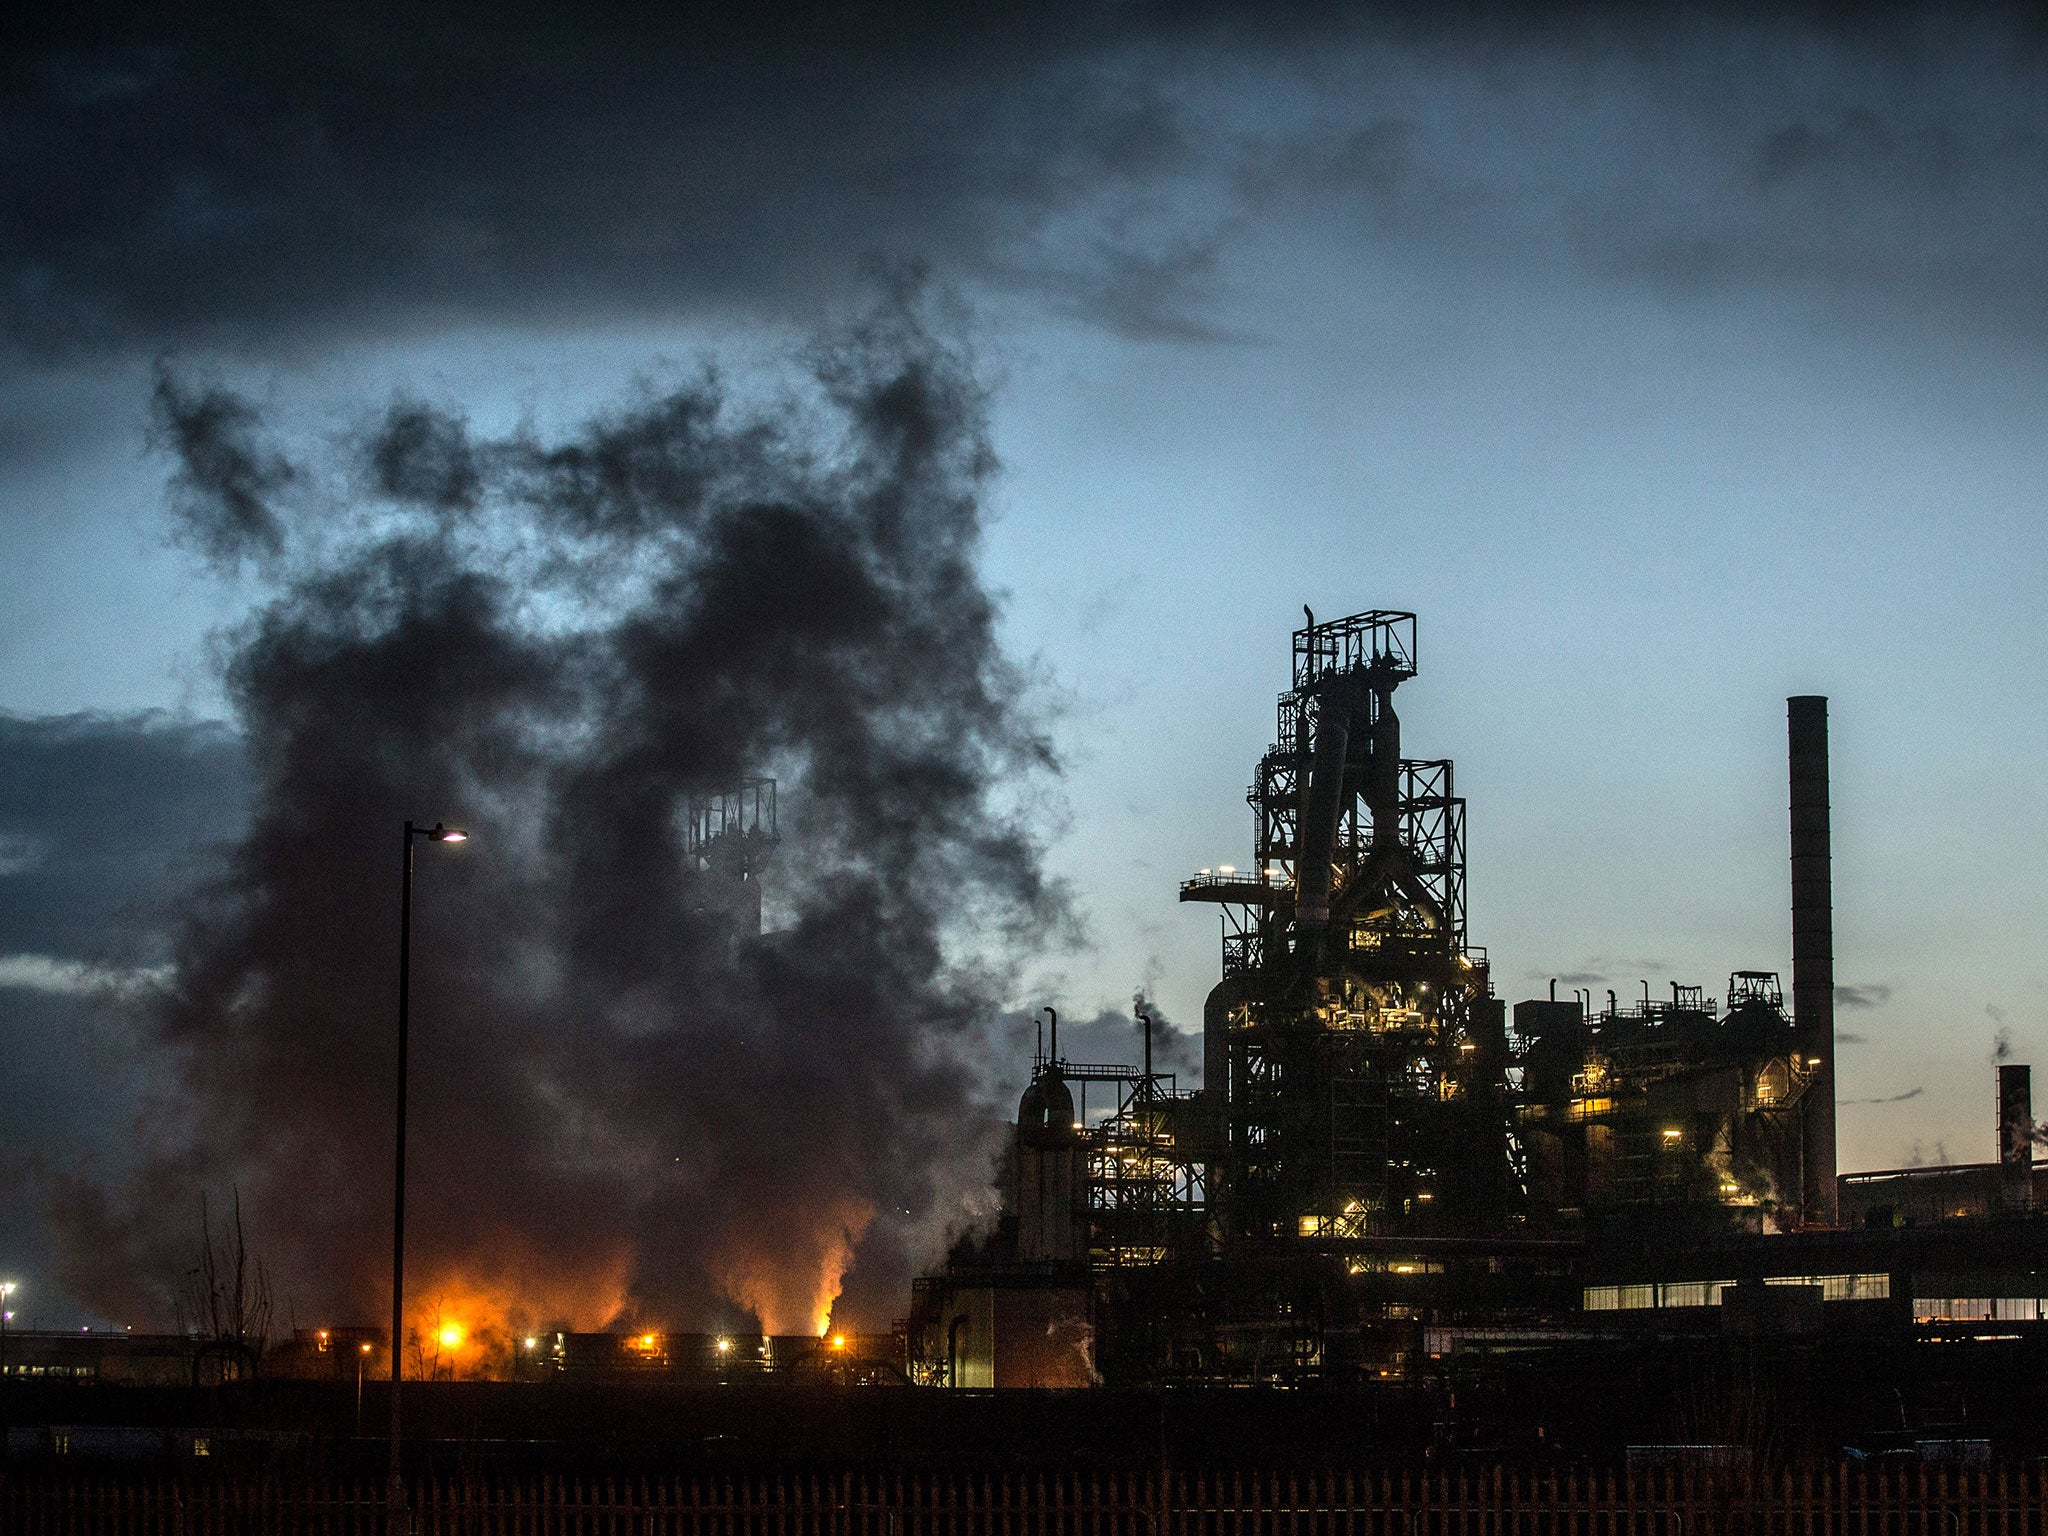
[[1843, 1501]]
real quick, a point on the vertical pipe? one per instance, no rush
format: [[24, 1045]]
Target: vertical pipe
[[2016, 1136], [394, 1490], [1813, 950]]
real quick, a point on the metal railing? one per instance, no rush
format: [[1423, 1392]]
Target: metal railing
[[1913, 1500]]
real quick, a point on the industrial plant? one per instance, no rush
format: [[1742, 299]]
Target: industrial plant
[[1388, 1173]]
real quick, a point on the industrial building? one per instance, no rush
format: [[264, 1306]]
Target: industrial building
[[1386, 1166]]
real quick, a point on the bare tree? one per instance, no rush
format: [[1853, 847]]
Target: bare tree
[[225, 1302]]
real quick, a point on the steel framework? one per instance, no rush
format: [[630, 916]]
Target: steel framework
[[1366, 1058]]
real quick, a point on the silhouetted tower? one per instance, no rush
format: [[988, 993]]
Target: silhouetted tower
[[1051, 1193], [1813, 949], [1354, 1038]]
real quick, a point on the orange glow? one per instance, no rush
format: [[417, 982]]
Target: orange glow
[[839, 1341], [497, 1307], [792, 1286], [450, 1335]]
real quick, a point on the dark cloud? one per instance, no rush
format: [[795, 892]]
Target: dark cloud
[[100, 819], [103, 820], [628, 1101], [1873, 995], [263, 174]]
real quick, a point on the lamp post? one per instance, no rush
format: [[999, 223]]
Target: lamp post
[[362, 1359], [394, 1492], [6, 1392]]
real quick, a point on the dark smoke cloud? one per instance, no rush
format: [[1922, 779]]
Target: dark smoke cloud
[[628, 1103], [1894, 1098], [1874, 995], [227, 477]]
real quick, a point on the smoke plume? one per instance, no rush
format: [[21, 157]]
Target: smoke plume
[[628, 1102]]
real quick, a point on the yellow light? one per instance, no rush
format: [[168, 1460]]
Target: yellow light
[[839, 1341], [725, 1346], [1671, 1134], [366, 1349], [530, 1343], [647, 1341], [450, 1336]]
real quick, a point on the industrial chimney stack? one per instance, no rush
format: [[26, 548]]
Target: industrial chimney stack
[[1813, 952], [2016, 1137]]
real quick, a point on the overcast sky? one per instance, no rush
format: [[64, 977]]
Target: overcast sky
[[1664, 362]]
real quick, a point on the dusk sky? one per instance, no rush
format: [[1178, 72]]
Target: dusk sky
[[1663, 361]]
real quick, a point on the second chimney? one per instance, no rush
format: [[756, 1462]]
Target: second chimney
[[1813, 952], [2016, 1138]]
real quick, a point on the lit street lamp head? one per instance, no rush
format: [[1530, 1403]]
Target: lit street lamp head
[[438, 833]]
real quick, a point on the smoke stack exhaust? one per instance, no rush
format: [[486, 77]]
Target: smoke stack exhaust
[[1813, 951], [2016, 1137]]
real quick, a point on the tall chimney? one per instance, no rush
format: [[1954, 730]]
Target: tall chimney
[[1813, 952], [2016, 1137]]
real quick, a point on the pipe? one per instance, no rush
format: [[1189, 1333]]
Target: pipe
[[1813, 949], [2016, 1137], [1553, 989], [1322, 804], [1049, 1013]]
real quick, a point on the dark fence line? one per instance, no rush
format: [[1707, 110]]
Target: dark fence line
[[1840, 1501]]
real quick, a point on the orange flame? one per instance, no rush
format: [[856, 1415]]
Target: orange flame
[[464, 1322]]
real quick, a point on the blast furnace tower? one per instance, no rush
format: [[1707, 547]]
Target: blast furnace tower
[[1354, 1040]]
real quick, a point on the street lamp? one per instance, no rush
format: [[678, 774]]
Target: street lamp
[[362, 1359], [6, 1317], [394, 1493]]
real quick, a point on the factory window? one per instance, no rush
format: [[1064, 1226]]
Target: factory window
[[1865, 1287], [1620, 1298], [1949, 1309], [2018, 1309], [1692, 1293], [1708, 1293]]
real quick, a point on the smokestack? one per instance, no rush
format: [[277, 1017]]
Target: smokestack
[[1813, 951], [2016, 1137]]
